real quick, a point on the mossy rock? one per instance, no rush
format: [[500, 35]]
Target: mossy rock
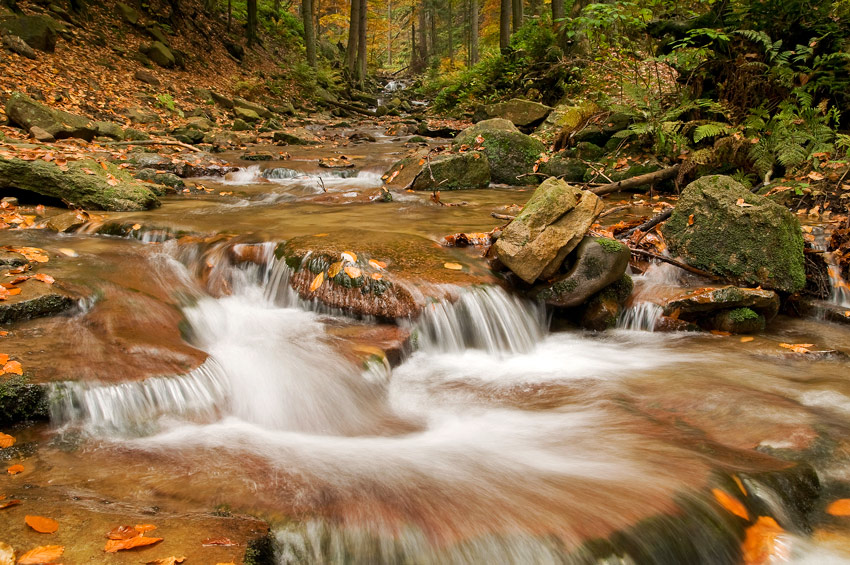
[[27, 113], [603, 309], [21, 400], [511, 153], [739, 321], [83, 183], [454, 171], [756, 243], [566, 168]]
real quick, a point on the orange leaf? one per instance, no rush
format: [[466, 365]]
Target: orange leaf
[[103, 165], [13, 367], [15, 469], [143, 528], [6, 440], [137, 226], [720, 333], [747, 339], [218, 541], [760, 545], [740, 484], [840, 507], [317, 282], [115, 545], [41, 524], [453, 266], [691, 220], [377, 276], [353, 272], [798, 347], [349, 256], [44, 278], [377, 264], [4, 358], [41, 555], [88, 171], [730, 503], [123, 532], [9, 503]]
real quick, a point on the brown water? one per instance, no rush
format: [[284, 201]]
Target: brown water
[[494, 441]]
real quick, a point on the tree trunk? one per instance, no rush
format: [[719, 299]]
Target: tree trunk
[[432, 15], [309, 31], [229, 13], [361, 43], [504, 24], [423, 34], [389, 33], [251, 32], [451, 37], [353, 36], [517, 14], [557, 13], [473, 32]]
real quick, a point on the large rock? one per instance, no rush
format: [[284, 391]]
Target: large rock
[[596, 263], [17, 45], [27, 113], [246, 114], [720, 227], [552, 223], [566, 119], [84, 183], [570, 169], [603, 309], [510, 152], [453, 171], [261, 111], [130, 15], [35, 300], [39, 32], [110, 129], [159, 54], [521, 113]]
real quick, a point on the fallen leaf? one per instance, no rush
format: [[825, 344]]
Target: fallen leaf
[[798, 347], [377, 276], [816, 176], [13, 368], [840, 507], [321, 235], [453, 266], [88, 171], [32, 253], [691, 220], [3, 333], [747, 339], [41, 555], [353, 272], [115, 545], [334, 269], [9, 503], [317, 282], [41, 524], [7, 554], [143, 528], [166, 561], [123, 532], [721, 333], [4, 358], [740, 202], [377, 264], [730, 503], [6, 440], [740, 484], [760, 547], [15, 469], [349, 256], [218, 541], [137, 226], [45, 278]]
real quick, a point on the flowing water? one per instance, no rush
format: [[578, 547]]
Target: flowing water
[[493, 440]]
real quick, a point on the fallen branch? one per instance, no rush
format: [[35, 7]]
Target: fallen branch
[[614, 210], [648, 225], [502, 216], [597, 171], [350, 108], [155, 142], [675, 263], [640, 180]]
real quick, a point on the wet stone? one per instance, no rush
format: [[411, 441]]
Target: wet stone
[[35, 300]]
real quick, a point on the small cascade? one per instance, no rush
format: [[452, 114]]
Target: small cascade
[[133, 406], [641, 316], [485, 318], [652, 288], [839, 289]]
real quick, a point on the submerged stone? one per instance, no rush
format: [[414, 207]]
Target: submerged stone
[[35, 300]]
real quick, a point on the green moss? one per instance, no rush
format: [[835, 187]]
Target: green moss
[[294, 263], [592, 267], [609, 245], [260, 551], [21, 400], [742, 315], [619, 290]]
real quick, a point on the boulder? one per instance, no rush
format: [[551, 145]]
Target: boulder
[[246, 114], [163, 179], [222, 101], [521, 113], [596, 263], [39, 32], [27, 113], [159, 54], [200, 123], [453, 171], [261, 111], [157, 34], [241, 125], [603, 309], [403, 172], [720, 227], [188, 134], [110, 129], [41, 135], [550, 225], [66, 221], [128, 14], [17, 45], [141, 116], [509, 152], [83, 183], [698, 303], [131, 134], [565, 119], [569, 169], [147, 77], [284, 138]]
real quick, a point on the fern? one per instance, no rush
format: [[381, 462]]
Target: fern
[[709, 130]]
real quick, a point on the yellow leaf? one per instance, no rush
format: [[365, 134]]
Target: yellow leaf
[[453, 266], [730, 503], [747, 339], [317, 282], [334, 269]]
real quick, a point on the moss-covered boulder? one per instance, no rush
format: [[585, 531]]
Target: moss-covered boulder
[[521, 113], [720, 227], [38, 31], [510, 152], [159, 54], [21, 400], [596, 263], [452, 171], [603, 309], [566, 119], [261, 111], [567, 168], [86, 183], [27, 113], [549, 227]]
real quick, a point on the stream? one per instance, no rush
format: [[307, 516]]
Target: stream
[[187, 382]]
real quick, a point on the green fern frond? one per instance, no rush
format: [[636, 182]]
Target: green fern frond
[[709, 130]]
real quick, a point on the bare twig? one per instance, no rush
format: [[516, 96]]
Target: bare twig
[[640, 180], [675, 263], [157, 142], [614, 210], [648, 225], [597, 171], [502, 216]]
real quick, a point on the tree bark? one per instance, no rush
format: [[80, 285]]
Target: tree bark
[[353, 36], [309, 31], [558, 13], [361, 43], [640, 180], [473, 32], [516, 14], [504, 24], [423, 34], [389, 33], [451, 36], [251, 32]]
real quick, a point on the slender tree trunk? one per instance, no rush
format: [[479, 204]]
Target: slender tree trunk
[[473, 32], [309, 31], [353, 36], [534, 7], [423, 34], [252, 22], [432, 16], [389, 33], [229, 13], [517, 14], [504, 24], [361, 42], [557, 13], [277, 8], [317, 10], [451, 37]]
